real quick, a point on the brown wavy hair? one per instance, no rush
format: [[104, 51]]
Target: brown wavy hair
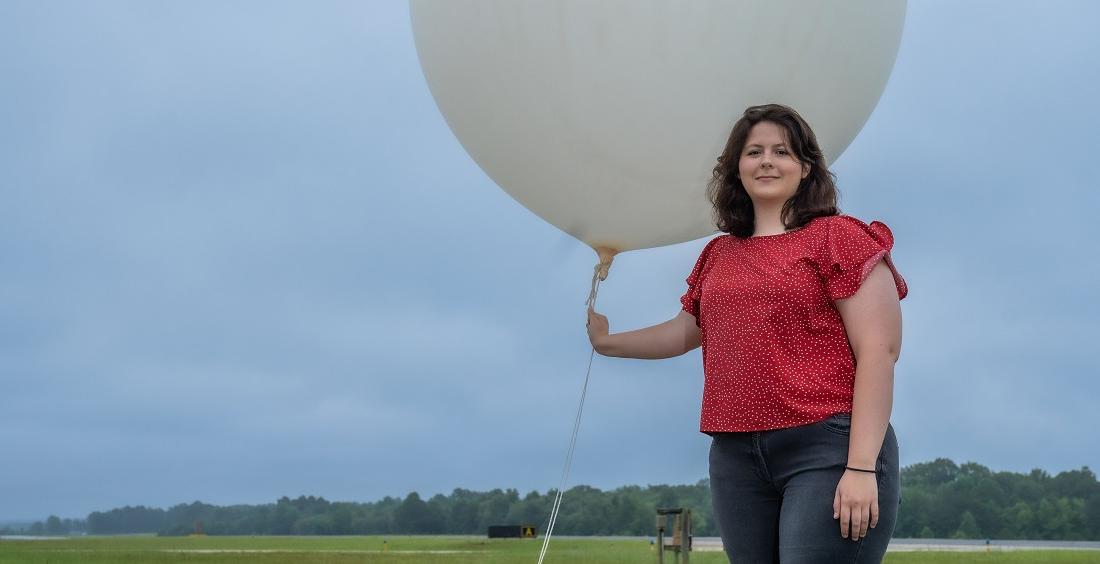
[[816, 195]]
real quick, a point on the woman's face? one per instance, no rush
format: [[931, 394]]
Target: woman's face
[[768, 169]]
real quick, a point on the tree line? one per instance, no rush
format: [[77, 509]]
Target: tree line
[[939, 500]]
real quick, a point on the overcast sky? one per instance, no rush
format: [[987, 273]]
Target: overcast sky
[[242, 256]]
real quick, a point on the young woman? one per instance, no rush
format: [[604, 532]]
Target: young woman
[[797, 310]]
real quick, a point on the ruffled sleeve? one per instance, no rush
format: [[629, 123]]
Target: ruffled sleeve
[[690, 299], [851, 250]]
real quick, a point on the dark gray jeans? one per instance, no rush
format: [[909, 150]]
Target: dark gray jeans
[[773, 494]]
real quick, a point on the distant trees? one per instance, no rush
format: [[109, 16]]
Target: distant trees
[[128, 519], [939, 499], [53, 526], [628, 510], [415, 515]]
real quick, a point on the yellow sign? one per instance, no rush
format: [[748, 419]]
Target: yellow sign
[[528, 532]]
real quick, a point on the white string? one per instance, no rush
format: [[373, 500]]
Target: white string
[[576, 426]]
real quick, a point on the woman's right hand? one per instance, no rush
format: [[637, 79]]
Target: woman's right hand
[[598, 328], [664, 340]]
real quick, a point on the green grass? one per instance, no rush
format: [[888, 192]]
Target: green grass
[[412, 550]]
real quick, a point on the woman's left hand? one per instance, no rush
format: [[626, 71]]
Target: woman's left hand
[[856, 503]]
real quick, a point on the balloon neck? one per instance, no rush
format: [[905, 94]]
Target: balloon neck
[[606, 256]]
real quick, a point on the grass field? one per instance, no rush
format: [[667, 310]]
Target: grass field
[[413, 550]]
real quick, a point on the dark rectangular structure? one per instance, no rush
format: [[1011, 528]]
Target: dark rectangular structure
[[511, 531]]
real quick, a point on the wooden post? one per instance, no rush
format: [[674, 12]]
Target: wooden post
[[685, 536], [680, 539], [661, 520]]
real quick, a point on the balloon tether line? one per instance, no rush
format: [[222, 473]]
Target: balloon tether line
[[598, 275]]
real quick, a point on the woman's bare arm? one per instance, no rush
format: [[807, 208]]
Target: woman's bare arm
[[664, 340], [872, 319]]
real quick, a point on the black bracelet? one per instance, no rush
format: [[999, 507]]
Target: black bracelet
[[861, 470]]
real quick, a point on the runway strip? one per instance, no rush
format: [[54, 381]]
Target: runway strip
[[714, 544]]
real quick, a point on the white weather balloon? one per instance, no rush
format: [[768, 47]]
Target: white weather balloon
[[605, 118]]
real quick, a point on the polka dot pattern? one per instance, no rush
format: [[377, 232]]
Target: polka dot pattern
[[775, 352]]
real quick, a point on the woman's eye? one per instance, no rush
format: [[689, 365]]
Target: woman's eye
[[781, 152]]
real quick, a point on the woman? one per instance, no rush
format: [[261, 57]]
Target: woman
[[797, 310]]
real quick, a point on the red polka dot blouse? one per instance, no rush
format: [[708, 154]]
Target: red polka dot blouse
[[775, 352]]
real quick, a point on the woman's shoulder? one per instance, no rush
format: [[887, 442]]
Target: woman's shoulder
[[836, 219], [846, 226]]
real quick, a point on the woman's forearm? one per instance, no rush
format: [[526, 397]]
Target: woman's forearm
[[872, 403], [664, 340]]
